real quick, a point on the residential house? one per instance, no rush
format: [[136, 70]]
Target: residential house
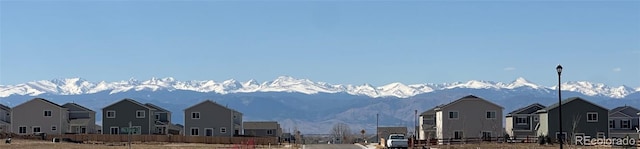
[[384, 132], [427, 127], [130, 116], [262, 129], [522, 122], [39, 115], [161, 119], [623, 122], [209, 118], [468, 117], [5, 119], [82, 120], [579, 117]]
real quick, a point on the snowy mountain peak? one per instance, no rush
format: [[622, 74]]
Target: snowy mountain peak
[[73, 86]]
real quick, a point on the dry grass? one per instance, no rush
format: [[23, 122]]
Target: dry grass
[[515, 146], [34, 144]]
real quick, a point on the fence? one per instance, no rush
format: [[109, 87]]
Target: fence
[[167, 138]]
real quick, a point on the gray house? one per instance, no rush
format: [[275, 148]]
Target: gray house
[[579, 117], [117, 116], [623, 122], [468, 117], [39, 116], [5, 119], [208, 118], [262, 129], [384, 132], [427, 127], [82, 120], [161, 119], [522, 122]]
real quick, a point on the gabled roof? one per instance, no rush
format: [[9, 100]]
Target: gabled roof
[[157, 107], [67, 105], [463, 98], [5, 107], [430, 111], [530, 109], [209, 101], [43, 100], [132, 101], [568, 100], [625, 110]]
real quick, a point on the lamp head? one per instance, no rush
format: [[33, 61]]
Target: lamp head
[[559, 69]]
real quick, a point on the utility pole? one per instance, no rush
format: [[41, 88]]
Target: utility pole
[[377, 133]]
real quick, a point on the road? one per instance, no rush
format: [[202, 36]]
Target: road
[[332, 146]]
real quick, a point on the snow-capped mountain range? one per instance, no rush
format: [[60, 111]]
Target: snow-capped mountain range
[[78, 86]]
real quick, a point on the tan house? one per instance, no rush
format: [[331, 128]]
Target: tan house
[[209, 118], [262, 128], [468, 117], [39, 115]]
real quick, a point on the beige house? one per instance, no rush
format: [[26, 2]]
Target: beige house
[[468, 117], [262, 128], [82, 120], [209, 118], [39, 116]]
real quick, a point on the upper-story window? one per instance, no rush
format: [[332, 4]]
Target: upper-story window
[[625, 124], [521, 120], [491, 115], [111, 114], [195, 115], [47, 113], [140, 114], [592, 116], [612, 123], [453, 114]]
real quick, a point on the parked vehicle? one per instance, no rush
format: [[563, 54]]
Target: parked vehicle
[[397, 141]]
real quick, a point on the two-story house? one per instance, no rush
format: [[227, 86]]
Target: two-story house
[[82, 120], [623, 122], [118, 117], [161, 119], [522, 122], [579, 118], [262, 128], [209, 118], [39, 115], [468, 117], [427, 127], [5, 119]]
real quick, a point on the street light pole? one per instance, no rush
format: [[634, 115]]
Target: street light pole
[[377, 133], [561, 138]]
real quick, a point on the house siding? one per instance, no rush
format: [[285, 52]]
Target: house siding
[[472, 119], [576, 111], [213, 116], [76, 112], [31, 113], [125, 113]]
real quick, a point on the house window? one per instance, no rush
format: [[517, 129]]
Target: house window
[[208, 132], [235, 117], [36, 129], [458, 135], [592, 117], [111, 114], [521, 120], [22, 129], [47, 113], [486, 135], [491, 115], [625, 124], [612, 123], [114, 130], [54, 128], [157, 116], [223, 129], [453, 115], [195, 115], [195, 131], [269, 132], [140, 114]]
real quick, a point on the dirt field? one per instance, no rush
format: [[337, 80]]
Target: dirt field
[[517, 146], [34, 144]]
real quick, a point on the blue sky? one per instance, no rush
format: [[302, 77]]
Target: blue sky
[[335, 42]]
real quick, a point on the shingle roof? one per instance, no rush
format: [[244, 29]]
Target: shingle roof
[[528, 109], [77, 105], [209, 101], [132, 101], [465, 97], [555, 105], [5, 107], [156, 107], [626, 110]]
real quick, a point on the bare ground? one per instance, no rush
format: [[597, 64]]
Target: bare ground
[[35, 144]]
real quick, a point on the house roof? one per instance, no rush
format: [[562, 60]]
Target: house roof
[[77, 105], [530, 109], [5, 107], [430, 111], [568, 100], [629, 111], [261, 125], [132, 101], [157, 107], [209, 101], [43, 100], [438, 108]]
